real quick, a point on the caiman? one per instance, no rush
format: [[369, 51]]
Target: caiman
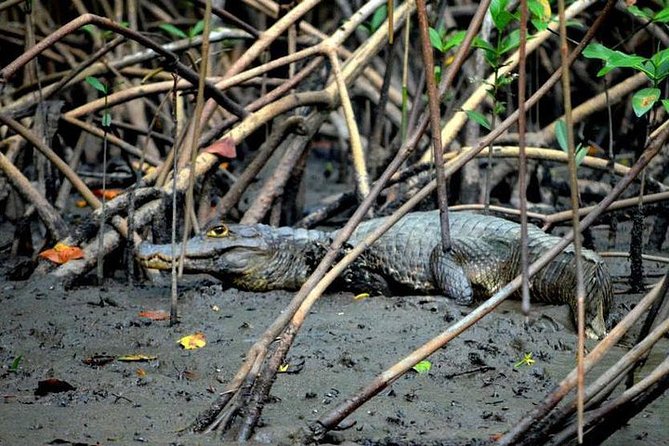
[[485, 255]]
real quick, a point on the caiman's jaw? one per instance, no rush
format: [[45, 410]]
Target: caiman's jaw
[[231, 249]]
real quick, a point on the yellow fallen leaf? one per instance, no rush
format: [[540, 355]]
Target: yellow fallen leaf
[[193, 341], [361, 296], [283, 368]]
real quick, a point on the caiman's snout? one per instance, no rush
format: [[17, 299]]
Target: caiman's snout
[[154, 256]]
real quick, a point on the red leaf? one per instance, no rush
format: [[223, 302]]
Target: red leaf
[[155, 315], [223, 147]]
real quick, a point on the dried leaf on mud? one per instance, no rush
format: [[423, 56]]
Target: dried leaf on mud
[[53, 385], [137, 357], [193, 341], [155, 315], [98, 360], [62, 253]]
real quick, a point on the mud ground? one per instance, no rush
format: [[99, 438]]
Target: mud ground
[[473, 390]]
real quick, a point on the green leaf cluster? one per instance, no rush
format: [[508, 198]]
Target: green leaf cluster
[[656, 68], [661, 16], [178, 33], [442, 43]]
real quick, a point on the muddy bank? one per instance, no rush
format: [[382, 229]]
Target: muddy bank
[[473, 391]]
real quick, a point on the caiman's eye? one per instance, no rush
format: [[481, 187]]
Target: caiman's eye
[[218, 231]]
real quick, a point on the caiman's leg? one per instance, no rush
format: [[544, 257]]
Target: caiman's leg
[[473, 265], [450, 277]]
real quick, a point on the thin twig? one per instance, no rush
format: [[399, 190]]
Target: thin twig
[[435, 123]]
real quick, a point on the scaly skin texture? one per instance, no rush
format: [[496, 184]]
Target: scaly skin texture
[[408, 258]]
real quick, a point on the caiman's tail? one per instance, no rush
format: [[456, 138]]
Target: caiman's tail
[[598, 297]]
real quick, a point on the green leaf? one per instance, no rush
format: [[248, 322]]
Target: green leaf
[[378, 18], [644, 99], [561, 135], [454, 40], [490, 52], [435, 40], [196, 29], [364, 27], [97, 84], [437, 73], [499, 108], [510, 42], [613, 59], [483, 44], [540, 13], [539, 25], [660, 62], [106, 119], [665, 104], [500, 16], [15, 364], [479, 119], [90, 29], [173, 30], [642, 13], [581, 152], [423, 367], [662, 16]]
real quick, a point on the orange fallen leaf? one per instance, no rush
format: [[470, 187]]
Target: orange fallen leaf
[[137, 358], [108, 194], [141, 372], [155, 315], [194, 341], [224, 147], [81, 203], [62, 253]]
